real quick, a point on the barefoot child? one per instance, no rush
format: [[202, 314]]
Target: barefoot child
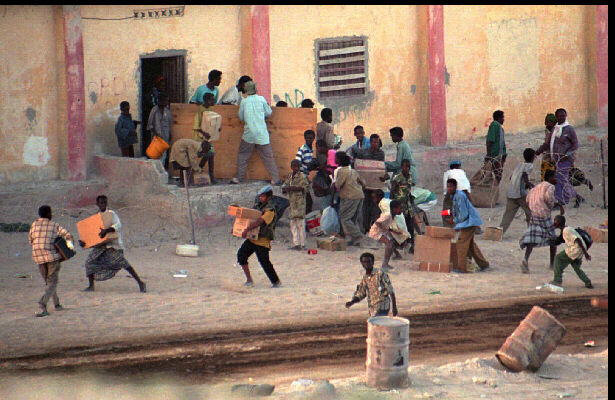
[[377, 287], [381, 231], [297, 186], [541, 231]]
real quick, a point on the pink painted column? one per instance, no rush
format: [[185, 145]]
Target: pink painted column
[[602, 63], [437, 92], [75, 91], [261, 54]]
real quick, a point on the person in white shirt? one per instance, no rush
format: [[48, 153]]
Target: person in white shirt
[[107, 259], [573, 254], [234, 94], [455, 172]]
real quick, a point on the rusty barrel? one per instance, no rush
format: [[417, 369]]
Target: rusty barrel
[[388, 348], [532, 342]]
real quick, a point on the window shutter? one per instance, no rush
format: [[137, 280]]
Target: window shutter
[[342, 68]]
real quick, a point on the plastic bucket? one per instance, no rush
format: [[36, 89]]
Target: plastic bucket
[[156, 148]]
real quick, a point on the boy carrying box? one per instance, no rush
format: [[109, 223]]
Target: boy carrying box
[[262, 245], [297, 186]]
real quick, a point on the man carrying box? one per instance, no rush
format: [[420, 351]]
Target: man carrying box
[[107, 259], [262, 245]]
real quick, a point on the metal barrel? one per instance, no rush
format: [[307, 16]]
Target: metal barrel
[[388, 349], [532, 342]]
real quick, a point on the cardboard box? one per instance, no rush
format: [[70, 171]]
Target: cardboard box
[[201, 178], [371, 171], [436, 250], [211, 123], [331, 244], [427, 266], [241, 224], [493, 233], [439, 232], [90, 227], [242, 212], [598, 235]]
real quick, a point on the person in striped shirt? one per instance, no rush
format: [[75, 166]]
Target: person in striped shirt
[[42, 234], [305, 153]]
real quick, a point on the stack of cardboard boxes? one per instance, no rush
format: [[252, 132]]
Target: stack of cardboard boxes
[[436, 251], [244, 216]]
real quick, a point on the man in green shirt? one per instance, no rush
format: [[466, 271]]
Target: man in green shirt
[[496, 146], [403, 152]]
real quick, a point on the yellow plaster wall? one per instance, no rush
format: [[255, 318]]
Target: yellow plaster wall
[[524, 60], [29, 130], [210, 34], [397, 60]]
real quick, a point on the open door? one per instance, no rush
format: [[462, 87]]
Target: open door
[[173, 70]]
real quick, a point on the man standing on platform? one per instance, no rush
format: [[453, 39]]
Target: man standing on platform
[[253, 110]]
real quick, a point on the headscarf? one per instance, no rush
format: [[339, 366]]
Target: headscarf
[[551, 118], [250, 87], [557, 132]]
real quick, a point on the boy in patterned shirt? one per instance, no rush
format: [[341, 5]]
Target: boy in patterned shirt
[[296, 186], [377, 287], [42, 235]]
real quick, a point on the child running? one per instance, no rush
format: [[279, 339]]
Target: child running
[[377, 287]]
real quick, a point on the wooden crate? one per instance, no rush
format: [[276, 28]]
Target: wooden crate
[[286, 126]]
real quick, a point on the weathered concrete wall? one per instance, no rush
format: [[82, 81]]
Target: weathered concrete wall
[[398, 83], [210, 35], [526, 61], [30, 110]]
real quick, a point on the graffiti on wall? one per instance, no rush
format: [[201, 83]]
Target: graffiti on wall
[[106, 91], [293, 100]]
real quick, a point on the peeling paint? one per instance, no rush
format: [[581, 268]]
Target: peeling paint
[[36, 151], [350, 106]]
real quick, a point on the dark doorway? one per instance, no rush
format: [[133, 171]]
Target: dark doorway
[[173, 69]]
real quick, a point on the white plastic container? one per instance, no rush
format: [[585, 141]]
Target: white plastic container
[[187, 250]]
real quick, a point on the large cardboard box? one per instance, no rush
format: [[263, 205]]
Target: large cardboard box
[[90, 227], [427, 266], [598, 235], [241, 224], [371, 171], [493, 233], [212, 124], [331, 243], [439, 232], [436, 250], [243, 212]]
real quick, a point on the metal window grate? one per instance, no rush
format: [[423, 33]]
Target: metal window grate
[[342, 67]]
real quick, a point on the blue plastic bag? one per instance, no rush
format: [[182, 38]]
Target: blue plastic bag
[[329, 221]]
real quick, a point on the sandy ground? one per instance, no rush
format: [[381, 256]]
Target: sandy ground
[[212, 297], [579, 376]]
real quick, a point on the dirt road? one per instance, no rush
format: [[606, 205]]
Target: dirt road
[[206, 359]]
